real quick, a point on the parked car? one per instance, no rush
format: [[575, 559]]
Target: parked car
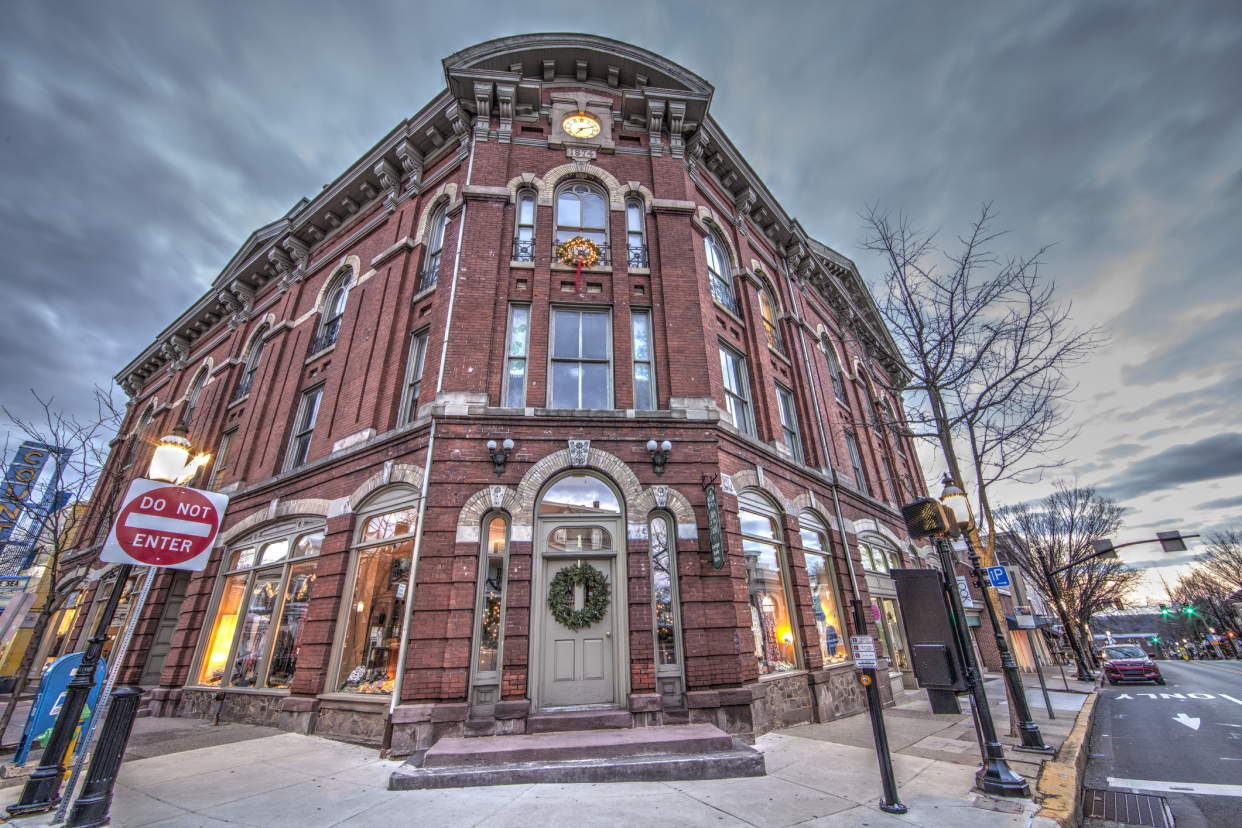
[[1128, 662]]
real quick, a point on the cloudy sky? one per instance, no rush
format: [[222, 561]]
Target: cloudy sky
[[143, 142]]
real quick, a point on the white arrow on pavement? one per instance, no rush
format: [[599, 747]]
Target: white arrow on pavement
[[1193, 724]]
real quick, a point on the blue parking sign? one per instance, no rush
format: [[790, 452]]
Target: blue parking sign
[[998, 576]]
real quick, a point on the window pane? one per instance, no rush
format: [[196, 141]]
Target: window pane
[[309, 545], [634, 219], [713, 261], [566, 335], [662, 593], [565, 385], [292, 620], [594, 385], [517, 383], [373, 620], [255, 628], [769, 612], [760, 525], [640, 337], [274, 552], [642, 387], [593, 211], [569, 210], [390, 525], [824, 607], [527, 210], [493, 585], [221, 639], [517, 339], [812, 540], [579, 495], [595, 336], [311, 409], [243, 558]]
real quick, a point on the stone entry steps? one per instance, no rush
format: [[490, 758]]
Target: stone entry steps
[[615, 755], [578, 720]]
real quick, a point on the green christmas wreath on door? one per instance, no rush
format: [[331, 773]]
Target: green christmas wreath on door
[[561, 596]]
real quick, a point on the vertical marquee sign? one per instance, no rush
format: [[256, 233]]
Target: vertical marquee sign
[[713, 528]]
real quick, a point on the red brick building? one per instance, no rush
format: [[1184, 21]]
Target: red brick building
[[382, 574]]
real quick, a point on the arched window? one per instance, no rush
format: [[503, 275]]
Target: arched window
[[582, 211], [191, 402], [665, 606], [136, 442], [333, 312], [252, 364], [771, 616], [580, 494], [768, 308], [635, 234], [524, 233], [260, 613], [721, 273], [834, 370], [825, 602], [435, 243]]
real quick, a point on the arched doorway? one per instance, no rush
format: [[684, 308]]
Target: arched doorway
[[579, 653]]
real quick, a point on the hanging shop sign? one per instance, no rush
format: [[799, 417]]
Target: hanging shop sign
[[713, 528], [163, 525]]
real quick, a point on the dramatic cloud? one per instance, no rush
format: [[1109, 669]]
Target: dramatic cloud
[[1220, 503], [1120, 451], [1208, 459]]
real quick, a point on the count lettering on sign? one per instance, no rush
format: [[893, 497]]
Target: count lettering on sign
[[163, 525]]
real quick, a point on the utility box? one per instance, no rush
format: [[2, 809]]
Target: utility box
[[930, 633]]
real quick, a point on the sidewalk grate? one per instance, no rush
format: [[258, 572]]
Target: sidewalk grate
[[1126, 808]]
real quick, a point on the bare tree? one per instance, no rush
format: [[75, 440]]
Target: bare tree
[[55, 534], [1213, 580], [1056, 530]]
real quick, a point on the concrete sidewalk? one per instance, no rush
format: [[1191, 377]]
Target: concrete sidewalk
[[309, 782]]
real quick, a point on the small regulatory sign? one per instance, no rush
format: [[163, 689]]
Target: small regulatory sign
[[863, 648], [164, 525], [998, 576]]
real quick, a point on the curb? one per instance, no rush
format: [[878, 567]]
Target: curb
[[1059, 787]]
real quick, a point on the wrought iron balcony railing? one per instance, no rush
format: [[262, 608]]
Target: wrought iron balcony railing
[[523, 250], [243, 387], [327, 337], [430, 273], [605, 254], [722, 294], [637, 255], [774, 341]]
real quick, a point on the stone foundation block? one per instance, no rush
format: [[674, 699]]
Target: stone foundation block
[[646, 702], [702, 699], [450, 712], [298, 714], [512, 709]]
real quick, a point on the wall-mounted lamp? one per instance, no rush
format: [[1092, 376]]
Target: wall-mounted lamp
[[659, 455], [499, 455]]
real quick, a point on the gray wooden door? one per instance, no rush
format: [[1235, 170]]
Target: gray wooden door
[[164, 632], [578, 665]]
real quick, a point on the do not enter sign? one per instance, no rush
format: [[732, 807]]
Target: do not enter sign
[[164, 525]]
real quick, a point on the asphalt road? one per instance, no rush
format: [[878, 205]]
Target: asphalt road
[[1175, 741]]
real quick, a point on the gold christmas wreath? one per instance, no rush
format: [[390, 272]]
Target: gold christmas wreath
[[580, 251]]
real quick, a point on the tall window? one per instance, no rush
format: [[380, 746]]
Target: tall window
[[851, 442], [304, 427], [635, 234], [261, 612], [737, 390], [895, 429], [371, 621], [664, 595], [789, 423], [720, 273], [252, 363], [222, 460], [894, 484], [644, 375], [435, 243], [515, 356], [333, 312], [771, 621], [581, 211], [413, 377], [877, 556], [196, 390], [580, 359], [767, 308], [824, 602], [139, 433], [834, 371], [491, 601], [524, 233]]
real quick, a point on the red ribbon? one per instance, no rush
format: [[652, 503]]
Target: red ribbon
[[577, 275]]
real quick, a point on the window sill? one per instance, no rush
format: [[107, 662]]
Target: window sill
[[783, 675], [564, 268], [245, 691], [780, 356], [375, 699], [236, 403], [728, 312], [422, 293], [321, 354], [514, 264], [640, 271]]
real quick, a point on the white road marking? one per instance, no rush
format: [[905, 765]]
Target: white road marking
[[1176, 787], [1182, 718], [1231, 698], [137, 520]]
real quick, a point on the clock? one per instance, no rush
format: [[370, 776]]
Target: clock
[[580, 125]]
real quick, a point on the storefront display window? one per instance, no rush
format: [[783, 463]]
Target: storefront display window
[[771, 624], [824, 603], [373, 617], [493, 597], [260, 616]]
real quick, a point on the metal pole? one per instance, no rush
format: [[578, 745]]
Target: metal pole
[[1032, 739], [1039, 671], [105, 696], [42, 790], [91, 808], [1084, 674], [995, 777]]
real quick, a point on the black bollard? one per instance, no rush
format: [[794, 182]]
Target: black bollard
[[91, 808]]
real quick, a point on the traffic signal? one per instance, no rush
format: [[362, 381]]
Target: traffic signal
[[1164, 610], [1190, 610]]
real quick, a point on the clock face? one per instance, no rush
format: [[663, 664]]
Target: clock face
[[580, 125]]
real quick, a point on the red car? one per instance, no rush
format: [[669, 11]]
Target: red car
[[1128, 662]]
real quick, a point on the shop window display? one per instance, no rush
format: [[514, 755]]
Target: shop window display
[[771, 624], [824, 603]]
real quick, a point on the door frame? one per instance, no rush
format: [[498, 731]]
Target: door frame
[[540, 621]]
